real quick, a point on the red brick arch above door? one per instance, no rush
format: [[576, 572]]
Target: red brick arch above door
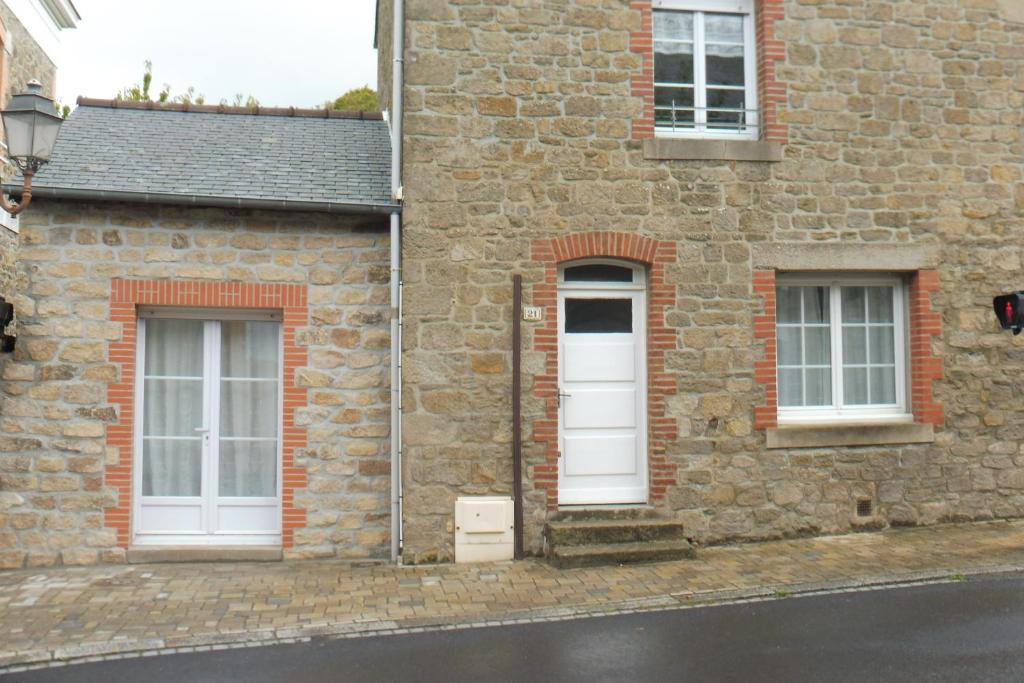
[[662, 428]]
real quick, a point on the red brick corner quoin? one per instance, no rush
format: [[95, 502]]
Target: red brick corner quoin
[[125, 297], [662, 428], [770, 50], [925, 366]]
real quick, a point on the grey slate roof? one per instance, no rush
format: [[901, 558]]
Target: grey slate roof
[[220, 156]]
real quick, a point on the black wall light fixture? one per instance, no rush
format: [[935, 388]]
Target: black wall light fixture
[[6, 318]]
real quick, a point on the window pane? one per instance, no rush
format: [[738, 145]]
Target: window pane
[[880, 304], [725, 65], [172, 407], [598, 272], [883, 385], [248, 408], [249, 349], [673, 107], [816, 304], [790, 351], [788, 304], [584, 316], [855, 350], [855, 386], [174, 348], [818, 350], [248, 468], [171, 467], [725, 108], [853, 304], [723, 28], [819, 387], [673, 25], [882, 345], [673, 63], [791, 388]]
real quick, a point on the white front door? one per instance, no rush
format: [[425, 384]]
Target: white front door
[[207, 433], [602, 378]]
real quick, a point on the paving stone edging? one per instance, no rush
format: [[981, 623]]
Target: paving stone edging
[[14, 662]]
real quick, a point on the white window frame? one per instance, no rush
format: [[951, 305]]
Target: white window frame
[[700, 130], [838, 412]]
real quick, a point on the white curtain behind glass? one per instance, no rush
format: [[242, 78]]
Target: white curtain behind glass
[[172, 408], [249, 386]]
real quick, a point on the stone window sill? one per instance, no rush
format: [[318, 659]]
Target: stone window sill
[[711, 150], [860, 434]]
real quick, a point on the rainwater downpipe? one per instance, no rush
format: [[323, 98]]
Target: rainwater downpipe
[[397, 86]]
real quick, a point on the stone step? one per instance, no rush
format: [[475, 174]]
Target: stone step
[[606, 512], [566, 557], [604, 531]]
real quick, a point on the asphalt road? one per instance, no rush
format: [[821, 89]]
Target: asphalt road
[[963, 631]]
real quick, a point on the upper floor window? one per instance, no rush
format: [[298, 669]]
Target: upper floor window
[[705, 73]]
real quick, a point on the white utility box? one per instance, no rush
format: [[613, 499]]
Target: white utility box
[[484, 529]]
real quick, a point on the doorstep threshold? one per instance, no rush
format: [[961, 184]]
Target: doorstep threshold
[[145, 554]]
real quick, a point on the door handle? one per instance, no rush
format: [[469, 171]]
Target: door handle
[[561, 395]]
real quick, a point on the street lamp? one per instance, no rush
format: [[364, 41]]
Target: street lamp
[[31, 125]]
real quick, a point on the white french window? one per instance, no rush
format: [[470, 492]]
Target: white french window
[[841, 351], [208, 428], [705, 69]]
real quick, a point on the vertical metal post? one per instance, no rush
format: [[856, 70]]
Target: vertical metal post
[[517, 413]]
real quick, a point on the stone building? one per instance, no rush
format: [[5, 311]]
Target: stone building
[[202, 346], [30, 48], [759, 240], [764, 236]]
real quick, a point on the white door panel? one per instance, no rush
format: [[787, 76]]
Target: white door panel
[[600, 456], [600, 361], [247, 518], [602, 382], [598, 408], [172, 518]]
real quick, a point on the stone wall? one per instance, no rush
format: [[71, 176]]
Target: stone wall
[[904, 125], [54, 407]]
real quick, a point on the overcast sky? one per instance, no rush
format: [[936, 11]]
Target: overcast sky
[[291, 53]]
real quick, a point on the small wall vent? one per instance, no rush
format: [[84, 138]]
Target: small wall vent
[[864, 507]]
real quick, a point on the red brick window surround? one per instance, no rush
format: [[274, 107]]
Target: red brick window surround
[[662, 428], [924, 323], [125, 298], [771, 91]]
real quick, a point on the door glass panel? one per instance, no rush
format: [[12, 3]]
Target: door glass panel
[[172, 467], [248, 408], [598, 316], [249, 397], [172, 408], [598, 272], [174, 348], [248, 468], [249, 349]]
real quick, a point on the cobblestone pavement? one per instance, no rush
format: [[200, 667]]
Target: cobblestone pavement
[[64, 614]]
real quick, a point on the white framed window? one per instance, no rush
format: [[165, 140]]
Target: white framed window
[[705, 69], [841, 348]]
